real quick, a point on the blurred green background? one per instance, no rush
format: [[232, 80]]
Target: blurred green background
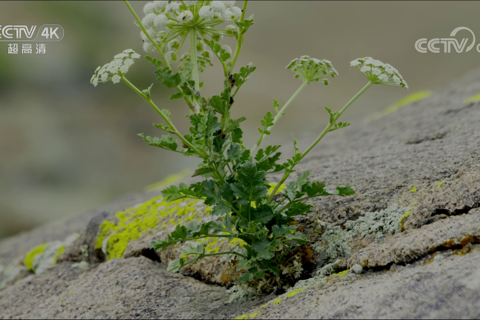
[[67, 147]]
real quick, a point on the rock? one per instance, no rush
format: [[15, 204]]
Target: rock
[[356, 268], [416, 193]]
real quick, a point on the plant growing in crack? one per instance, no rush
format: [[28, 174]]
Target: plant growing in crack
[[236, 179]]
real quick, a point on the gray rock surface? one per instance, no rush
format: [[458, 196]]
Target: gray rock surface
[[424, 157]]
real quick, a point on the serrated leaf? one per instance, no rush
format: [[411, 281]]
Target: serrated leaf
[[177, 95], [234, 152], [164, 142], [167, 78], [202, 171]]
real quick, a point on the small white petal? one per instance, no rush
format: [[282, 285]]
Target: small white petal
[[116, 78], [237, 12], [218, 6], [147, 21], [206, 13], [185, 16], [148, 8], [228, 4], [160, 21], [159, 6]]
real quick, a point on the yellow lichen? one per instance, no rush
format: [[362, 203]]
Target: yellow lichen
[[291, 294], [29, 258], [155, 215], [59, 252], [417, 96], [404, 216], [473, 98], [342, 273], [149, 216], [414, 189]]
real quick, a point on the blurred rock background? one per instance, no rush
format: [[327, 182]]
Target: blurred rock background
[[66, 147]]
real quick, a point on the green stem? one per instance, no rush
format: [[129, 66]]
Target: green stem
[[327, 128], [187, 100], [320, 137], [279, 114], [167, 120], [193, 54], [240, 38]]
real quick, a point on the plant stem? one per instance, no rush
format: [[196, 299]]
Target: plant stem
[[240, 38], [187, 100], [279, 114], [193, 54], [167, 119], [320, 137]]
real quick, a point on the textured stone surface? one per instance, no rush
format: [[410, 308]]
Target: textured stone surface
[[452, 232], [424, 157]]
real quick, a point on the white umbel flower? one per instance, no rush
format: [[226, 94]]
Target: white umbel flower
[[311, 69], [185, 16], [237, 12], [160, 21], [149, 7], [114, 70], [379, 72], [218, 6], [172, 7], [159, 6], [228, 4], [148, 20], [206, 12]]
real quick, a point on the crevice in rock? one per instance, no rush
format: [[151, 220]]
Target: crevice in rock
[[150, 254]]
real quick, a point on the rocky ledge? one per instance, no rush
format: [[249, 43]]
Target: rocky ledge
[[405, 245]]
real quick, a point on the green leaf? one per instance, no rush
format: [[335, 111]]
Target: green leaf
[[345, 191], [202, 171], [218, 104], [177, 95], [263, 214], [251, 185], [175, 265], [225, 56], [267, 120], [165, 142], [234, 152], [167, 78], [220, 209], [191, 249]]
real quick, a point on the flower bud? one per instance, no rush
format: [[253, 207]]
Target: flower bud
[[311, 69]]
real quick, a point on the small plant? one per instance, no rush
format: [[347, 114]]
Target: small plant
[[236, 179]]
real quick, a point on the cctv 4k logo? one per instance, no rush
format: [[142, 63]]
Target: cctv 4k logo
[[21, 33]]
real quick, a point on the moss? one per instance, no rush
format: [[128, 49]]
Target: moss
[[29, 258], [154, 215]]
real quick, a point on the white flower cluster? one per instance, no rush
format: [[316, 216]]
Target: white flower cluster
[[114, 70], [379, 72], [165, 20], [312, 69]]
